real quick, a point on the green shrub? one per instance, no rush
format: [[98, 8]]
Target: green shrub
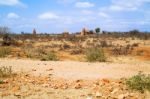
[[4, 51], [1, 81], [51, 56], [95, 54], [5, 71], [139, 82]]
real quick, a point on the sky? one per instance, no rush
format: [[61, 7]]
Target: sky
[[55, 16]]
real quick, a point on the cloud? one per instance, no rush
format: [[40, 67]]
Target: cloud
[[11, 3], [104, 15], [127, 5], [87, 12], [12, 16], [84, 5], [66, 1], [48, 16]]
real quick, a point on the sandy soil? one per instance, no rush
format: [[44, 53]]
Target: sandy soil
[[77, 70], [70, 80]]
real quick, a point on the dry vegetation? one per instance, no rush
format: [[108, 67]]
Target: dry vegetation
[[106, 47], [73, 47]]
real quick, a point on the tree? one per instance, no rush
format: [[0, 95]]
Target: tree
[[97, 30], [4, 30], [7, 40], [34, 32], [91, 32], [134, 32]]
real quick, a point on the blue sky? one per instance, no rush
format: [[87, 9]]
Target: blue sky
[[55, 16]]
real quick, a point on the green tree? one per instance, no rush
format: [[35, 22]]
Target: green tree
[[97, 30]]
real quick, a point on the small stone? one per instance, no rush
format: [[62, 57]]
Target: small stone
[[114, 91], [89, 97], [122, 96], [15, 89], [98, 94], [50, 92], [17, 94], [106, 81], [49, 69], [45, 85], [77, 86], [33, 69]]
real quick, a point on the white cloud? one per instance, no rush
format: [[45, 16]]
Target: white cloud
[[104, 15], [66, 1], [84, 5], [122, 8], [11, 3], [12, 16], [87, 12], [125, 5], [48, 16]]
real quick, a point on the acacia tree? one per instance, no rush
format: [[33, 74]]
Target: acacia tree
[[97, 30], [5, 31]]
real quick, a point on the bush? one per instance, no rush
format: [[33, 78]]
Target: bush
[[4, 51], [104, 44], [122, 50], [139, 82], [6, 40], [5, 71], [1, 81], [95, 54], [51, 56]]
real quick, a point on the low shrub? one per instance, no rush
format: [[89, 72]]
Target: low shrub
[[104, 44], [121, 50], [50, 56], [6, 40], [95, 54], [139, 82], [5, 71], [1, 81], [4, 51]]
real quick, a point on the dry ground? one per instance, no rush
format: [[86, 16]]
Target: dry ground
[[71, 80], [78, 70]]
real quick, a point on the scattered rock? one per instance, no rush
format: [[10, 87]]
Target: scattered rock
[[114, 91], [122, 96], [78, 86], [89, 97], [98, 95], [49, 69], [45, 85], [17, 94], [33, 69]]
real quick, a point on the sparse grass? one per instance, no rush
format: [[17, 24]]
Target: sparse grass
[[50, 56], [139, 82], [5, 71], [41, 54], [4, 51], [95, 54]]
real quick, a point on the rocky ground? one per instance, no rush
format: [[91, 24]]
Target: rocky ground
[[70, 80]]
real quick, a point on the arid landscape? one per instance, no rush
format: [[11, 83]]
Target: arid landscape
[[74, 49], [84, 65]]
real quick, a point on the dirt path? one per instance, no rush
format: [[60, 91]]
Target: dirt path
[[77, 70]]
